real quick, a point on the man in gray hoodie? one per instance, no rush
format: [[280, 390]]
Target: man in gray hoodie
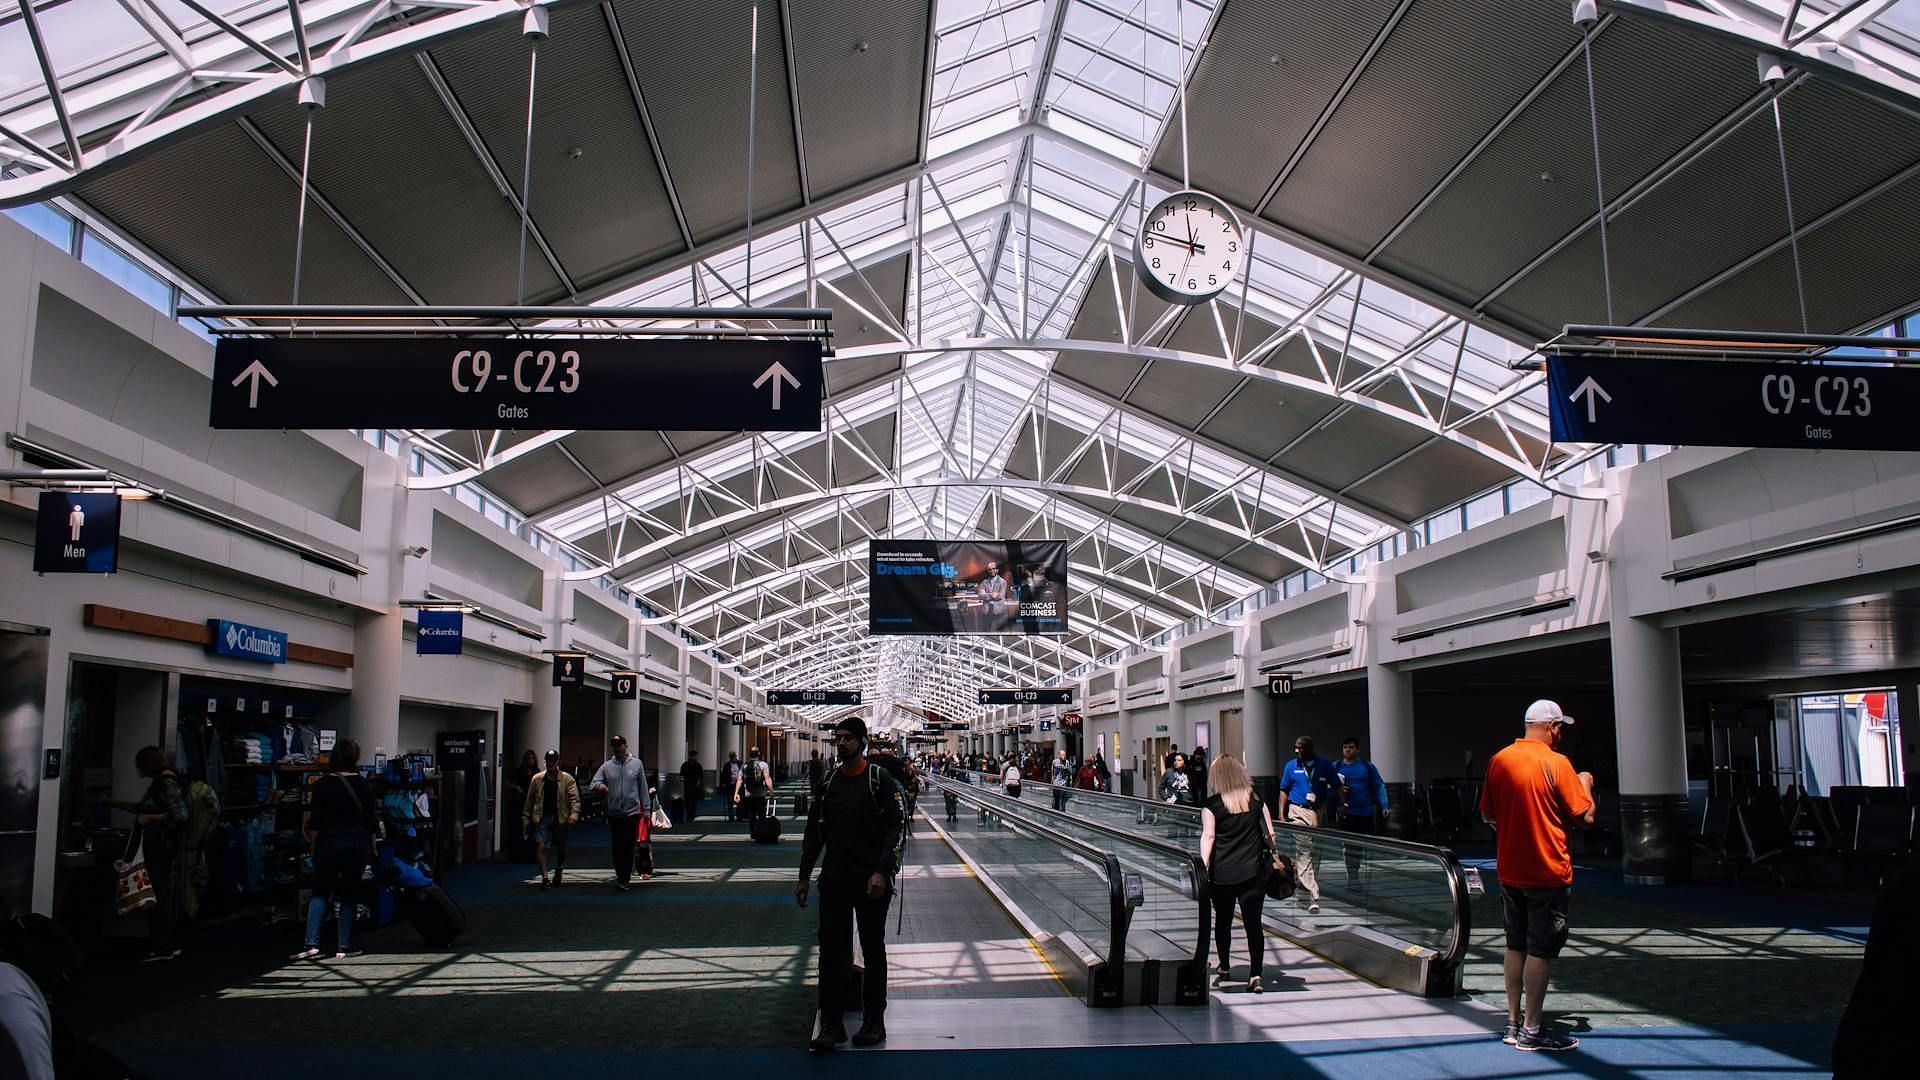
[[623, 778]]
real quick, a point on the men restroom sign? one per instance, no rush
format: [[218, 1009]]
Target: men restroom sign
[[77, 533]]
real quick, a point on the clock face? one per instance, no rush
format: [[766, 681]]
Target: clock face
[[1189, 247]]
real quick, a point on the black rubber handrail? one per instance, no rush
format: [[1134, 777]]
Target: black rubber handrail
[[1118, 916], [1196, 869], [1462, 919]]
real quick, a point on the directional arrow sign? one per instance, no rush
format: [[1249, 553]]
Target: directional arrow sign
[[1589, 390], [1687, 401], [1015, 696], [255, 372], [488, 383], [779, 374], [813, 697]]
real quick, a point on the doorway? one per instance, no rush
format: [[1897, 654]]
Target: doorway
[[1157, 748], [1232, 736]]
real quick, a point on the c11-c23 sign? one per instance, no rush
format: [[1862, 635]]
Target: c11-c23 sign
[[967, 587]]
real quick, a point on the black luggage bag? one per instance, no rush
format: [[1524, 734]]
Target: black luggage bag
[[436, 916], [765, 830]]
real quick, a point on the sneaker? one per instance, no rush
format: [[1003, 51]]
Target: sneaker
[[1511, 1035], [159, 956], [871, 1033], [623, 886], [349, 953], [1313, 908], [831, 1035], [311, 952], [545, 884], [1254, 987], [1545, 1039], [557, 871]]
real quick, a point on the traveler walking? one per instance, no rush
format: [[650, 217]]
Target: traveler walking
[[1362, 801], [159, 819], [1305, 784], [860, 821], [1176, 785], [623, 779], [553, 805], [340, 823], [1236, 832], [755, 786], [693, 779], [1010, 779], [1530, 796], [730, 786], [1061, 780]]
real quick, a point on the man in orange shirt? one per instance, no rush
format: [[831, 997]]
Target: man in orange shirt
[[1530, 796]]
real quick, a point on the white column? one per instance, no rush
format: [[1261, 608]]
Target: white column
[[1651, 744], [543, 719], [673, 746], [1257, 726], [706, 739], [373, 712], [1390, 740]]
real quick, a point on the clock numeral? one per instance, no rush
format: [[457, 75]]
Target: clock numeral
[[1213, 279], [1191, 205], [1192, 284], [1156, 264], [1233, 245], [1159, 224]]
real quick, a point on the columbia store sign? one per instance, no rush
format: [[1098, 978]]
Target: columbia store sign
[[245, 642]]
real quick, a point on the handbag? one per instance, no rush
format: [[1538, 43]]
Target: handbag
[[642, 829], [134, 890], [660, 819], [1280, 875]]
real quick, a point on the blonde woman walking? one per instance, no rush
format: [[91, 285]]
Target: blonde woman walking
[[1236, 832]]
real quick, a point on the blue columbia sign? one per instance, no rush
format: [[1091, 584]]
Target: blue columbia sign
[[245, 642], [440, 633]]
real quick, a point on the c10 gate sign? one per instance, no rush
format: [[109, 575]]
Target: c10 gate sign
[[1692, 402], [491, 383]]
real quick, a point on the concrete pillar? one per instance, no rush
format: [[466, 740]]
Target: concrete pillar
[[1907, 702], [1126, 772], [373, 711], [706, 739], [1258, 735], [1390, 741], [1651, 741], [673, 747]]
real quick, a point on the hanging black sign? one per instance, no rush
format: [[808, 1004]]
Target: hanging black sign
[[813, 697], [77, 533], [490, 383], [626, 685], [569, 669], [1059, 695]]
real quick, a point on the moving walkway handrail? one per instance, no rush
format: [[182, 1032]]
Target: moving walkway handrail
[[1449, 861], [1117, 913], [1197, 870]]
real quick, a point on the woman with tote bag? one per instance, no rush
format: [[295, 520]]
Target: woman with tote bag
[[158, 820]]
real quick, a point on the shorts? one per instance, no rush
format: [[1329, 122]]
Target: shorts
[[547, 831], [1536, 919]]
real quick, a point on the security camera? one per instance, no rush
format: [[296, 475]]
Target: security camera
[[417, 551], [1596, 556]]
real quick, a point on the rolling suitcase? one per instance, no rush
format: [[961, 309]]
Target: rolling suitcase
[[436, 916], [802, 805], [765, 830]]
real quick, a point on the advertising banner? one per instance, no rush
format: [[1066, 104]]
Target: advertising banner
[[967, 587]]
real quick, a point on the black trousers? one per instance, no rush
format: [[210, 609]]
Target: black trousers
[[842, 904], [621, 828], [1250, 897], [1360, 823], [159, 850]]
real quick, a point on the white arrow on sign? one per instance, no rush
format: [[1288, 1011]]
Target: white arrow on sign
[[1592, 390], [778, 373], [255, 371]]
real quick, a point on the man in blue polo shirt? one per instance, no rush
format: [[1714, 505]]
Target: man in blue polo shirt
[[1363, 800], [1306, 786]]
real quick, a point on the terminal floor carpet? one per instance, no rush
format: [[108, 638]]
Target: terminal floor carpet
[[709, 968]]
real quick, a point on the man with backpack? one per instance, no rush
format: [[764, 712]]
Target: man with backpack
[[754, 787], [1363, 800], [730, 786], [860, 821]]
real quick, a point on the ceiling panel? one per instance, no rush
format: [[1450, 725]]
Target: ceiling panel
[[1439, 474], [698, 97], [586, 131], [387, 153], [861, 71]]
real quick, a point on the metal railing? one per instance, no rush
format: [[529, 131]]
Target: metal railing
[[1168, 899], [1381, 895]]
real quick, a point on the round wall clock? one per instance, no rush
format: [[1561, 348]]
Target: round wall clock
[[1189, 247]]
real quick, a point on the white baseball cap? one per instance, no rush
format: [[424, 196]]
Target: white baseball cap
[[1546, 712]]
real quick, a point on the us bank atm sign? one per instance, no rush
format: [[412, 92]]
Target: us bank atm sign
[[247, 642]]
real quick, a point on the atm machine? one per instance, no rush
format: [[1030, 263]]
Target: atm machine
[[467, 754]]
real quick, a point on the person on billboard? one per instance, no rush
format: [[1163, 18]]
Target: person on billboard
[[993, 587], [1037, 590]]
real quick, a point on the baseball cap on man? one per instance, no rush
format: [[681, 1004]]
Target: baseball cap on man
[[1547, 712]]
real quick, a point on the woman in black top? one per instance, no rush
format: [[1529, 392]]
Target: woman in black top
[[340, 821], [1175, 785], [1235, 835]]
